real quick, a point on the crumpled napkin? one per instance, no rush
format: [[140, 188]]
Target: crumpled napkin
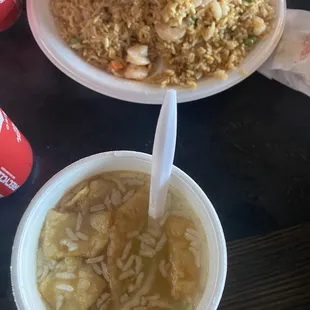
[[290, 62]]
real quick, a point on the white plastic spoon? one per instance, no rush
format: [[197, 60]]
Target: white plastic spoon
[[163, 154]]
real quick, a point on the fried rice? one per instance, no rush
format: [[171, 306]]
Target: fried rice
[[170, 42]]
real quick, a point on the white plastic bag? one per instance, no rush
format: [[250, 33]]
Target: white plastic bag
[[290, 62]]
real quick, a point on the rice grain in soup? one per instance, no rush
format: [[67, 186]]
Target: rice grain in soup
[[116, 257]]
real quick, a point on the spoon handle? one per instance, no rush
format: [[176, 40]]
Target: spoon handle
[[163, 154]]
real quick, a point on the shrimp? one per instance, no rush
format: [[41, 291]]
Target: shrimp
[[135, 72], [168, 33], [138, 55], [201, 3], [216, 10], [259, 26]]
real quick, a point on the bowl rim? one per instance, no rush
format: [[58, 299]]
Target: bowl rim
[[140, 92], [220, 242]]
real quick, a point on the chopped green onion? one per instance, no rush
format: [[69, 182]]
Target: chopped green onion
[[74, 41], [193, 20], [249, 1]]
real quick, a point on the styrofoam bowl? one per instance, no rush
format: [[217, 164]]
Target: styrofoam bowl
[[45, 33], [23, 264]]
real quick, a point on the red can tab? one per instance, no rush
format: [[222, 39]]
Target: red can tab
[[16, 157]]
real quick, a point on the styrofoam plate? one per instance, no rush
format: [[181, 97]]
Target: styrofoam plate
[[45, 33]]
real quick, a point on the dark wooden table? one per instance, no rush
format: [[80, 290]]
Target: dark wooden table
[[248, 148]]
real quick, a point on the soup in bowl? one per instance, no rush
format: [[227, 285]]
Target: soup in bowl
[[86, 241]]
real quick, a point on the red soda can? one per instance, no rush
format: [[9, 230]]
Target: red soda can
[[16, 157], [10, 10]]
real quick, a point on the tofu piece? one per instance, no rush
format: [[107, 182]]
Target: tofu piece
[[86, 287], [146, 286], [131, 216], [85, 195], [184, 272], [98, 190], [100, 223], [74, 200], [57, 244]]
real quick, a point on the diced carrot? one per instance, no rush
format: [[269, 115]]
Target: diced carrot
[[115, 65]]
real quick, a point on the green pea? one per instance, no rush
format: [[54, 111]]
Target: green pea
[[249, 42]]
